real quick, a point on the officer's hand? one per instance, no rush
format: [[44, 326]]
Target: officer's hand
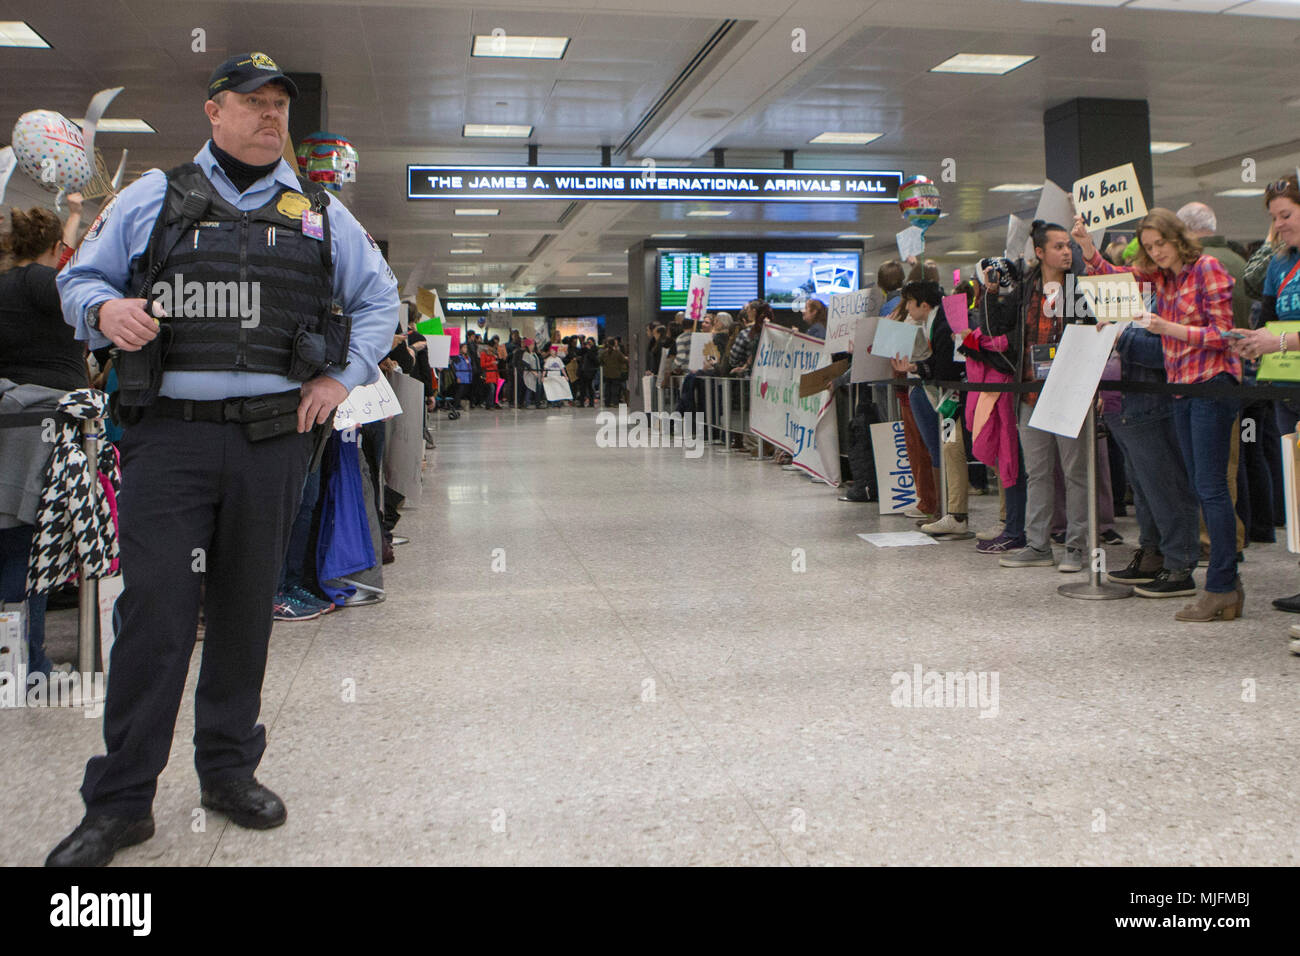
[[127, 324], [320, 396]]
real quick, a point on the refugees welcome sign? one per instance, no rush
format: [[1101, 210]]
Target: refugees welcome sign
[[806, 428]]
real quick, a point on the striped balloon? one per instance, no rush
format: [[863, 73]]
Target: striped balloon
[[326, 158], [920, 203]]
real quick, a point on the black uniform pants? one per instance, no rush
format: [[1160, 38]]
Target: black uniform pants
[[199, 502]]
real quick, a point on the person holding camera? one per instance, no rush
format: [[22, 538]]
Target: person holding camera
[[1044, 310]]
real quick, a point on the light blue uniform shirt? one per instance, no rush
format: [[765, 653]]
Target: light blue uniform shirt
[[363, 284]]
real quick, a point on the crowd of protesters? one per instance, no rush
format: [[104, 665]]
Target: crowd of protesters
[[488, 374], [1201, 472]]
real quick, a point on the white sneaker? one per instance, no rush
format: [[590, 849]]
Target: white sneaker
[[946, 525], [916, 513], [1295, 639], [990, 534]]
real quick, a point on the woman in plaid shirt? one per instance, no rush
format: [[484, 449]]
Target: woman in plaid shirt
[[1192, 314]]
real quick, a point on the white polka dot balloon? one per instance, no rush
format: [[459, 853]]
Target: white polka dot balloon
[[50, 149]]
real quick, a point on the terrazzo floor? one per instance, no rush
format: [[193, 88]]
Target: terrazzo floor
[[599, 655]]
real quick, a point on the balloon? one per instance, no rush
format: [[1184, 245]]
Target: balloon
[[328, 159], [50, 149], [920, 203]]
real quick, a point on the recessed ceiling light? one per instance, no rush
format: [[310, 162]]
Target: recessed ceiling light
[[533, 48], [600, 273], [1160, 146], [478, 212], [470, 235], [857, 235], [107, 125], [846, 139], [1241, 191], [961, 252], [1015, 188], [466, 252], [570, 290], [709, 212], [667, 235], [498, 130], [992, 64], [18, 33], [461, 272]]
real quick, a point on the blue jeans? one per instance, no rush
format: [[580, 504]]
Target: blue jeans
[[927, 422], [1204, 427], [1162, 496], [1017, 497], [15, 551]]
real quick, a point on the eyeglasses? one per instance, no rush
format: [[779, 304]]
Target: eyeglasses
[[1279, 187]]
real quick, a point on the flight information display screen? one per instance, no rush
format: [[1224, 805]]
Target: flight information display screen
[[733, 278]]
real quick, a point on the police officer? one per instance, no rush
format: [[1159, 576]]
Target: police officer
[[215, 282]]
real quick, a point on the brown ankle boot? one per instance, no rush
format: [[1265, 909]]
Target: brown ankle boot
[[1212, 606]]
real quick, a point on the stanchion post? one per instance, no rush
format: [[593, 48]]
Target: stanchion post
[[1094, 589], [726, 410], [708, 411], [88, 597]]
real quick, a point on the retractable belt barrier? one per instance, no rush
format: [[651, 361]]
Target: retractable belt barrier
[[1189, 390]]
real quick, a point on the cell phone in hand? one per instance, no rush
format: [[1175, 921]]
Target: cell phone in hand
[[1234, 334]]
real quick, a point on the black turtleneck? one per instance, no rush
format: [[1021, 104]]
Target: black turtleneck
[[240, 173]]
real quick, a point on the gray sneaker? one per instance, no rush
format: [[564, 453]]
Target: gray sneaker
[[1072, 562], [1028, 558]]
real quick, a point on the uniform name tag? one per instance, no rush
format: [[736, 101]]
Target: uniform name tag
[[313, 224]]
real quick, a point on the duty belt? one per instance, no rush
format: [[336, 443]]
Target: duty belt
[[239, 411]]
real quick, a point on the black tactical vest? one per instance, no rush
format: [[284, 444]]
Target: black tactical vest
[[227, 261]]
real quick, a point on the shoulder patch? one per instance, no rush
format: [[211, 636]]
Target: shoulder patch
[[93, 232]]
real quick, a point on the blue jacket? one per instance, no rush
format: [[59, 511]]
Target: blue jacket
[[1142, 359]]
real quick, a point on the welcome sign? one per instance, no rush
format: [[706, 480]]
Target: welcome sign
[[804, 427], [893, 468]]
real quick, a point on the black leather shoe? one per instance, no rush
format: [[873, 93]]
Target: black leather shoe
[[97, 839], [246, 802], [1291, 604]]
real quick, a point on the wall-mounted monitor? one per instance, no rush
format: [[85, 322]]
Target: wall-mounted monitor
[[733, 278], [788, 276]]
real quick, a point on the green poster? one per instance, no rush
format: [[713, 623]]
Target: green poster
[[1276, 367]]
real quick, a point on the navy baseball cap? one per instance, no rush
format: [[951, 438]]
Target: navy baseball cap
[[245, 72]]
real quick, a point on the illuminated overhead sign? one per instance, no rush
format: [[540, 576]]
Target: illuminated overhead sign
[[650, 183], [465, 305]]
